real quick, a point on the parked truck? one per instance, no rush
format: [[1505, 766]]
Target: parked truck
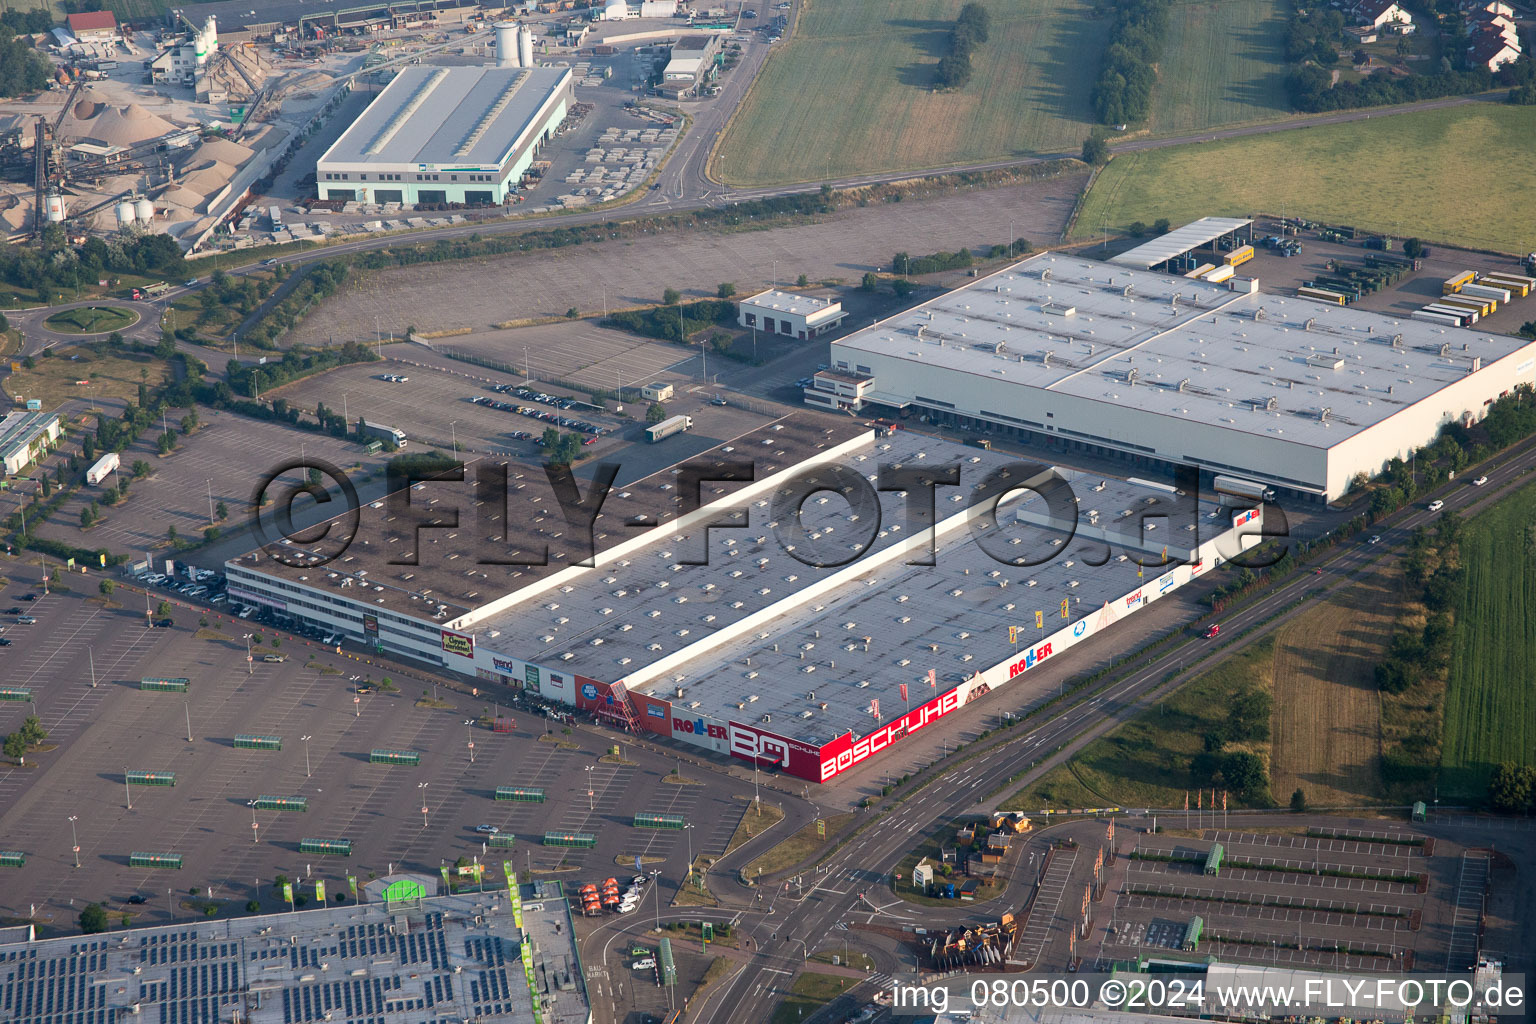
[[102, 468], [1248, 489], [667, 427], [275, 215], [387, 434]]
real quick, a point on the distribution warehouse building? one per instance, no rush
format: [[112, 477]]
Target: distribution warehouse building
[[1162, 370], [807, 640], [446, 135]]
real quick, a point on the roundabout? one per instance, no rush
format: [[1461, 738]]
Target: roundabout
[[86, 320]]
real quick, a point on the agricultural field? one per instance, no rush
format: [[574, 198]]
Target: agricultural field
[[1197, 89], [1146, 761], [1319, 172], [851, 91], [1489, 716], [1326, 726]]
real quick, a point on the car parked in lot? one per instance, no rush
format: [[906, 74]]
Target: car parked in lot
[[487, 830], [25, 620], [5, 641], [14, 610], [648, 964]]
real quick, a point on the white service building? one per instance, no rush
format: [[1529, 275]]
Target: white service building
[[1163, 371], [25, 437], [789, 314], [446, 135]]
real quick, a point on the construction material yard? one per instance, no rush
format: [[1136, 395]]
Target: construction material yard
[[1318, 172]]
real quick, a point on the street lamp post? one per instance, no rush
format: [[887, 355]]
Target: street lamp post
[[656, 886], [74, 839], [688, 829], [306, 740]]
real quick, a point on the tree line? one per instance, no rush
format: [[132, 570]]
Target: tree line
[[972, 28], [22, 69], [1122, 94]]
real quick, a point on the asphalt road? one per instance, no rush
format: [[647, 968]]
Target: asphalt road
[[853, 887]]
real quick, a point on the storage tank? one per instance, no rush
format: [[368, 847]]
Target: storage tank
[[506, 44], [125, 214], [525, 46], [55, 208], [145, 210]]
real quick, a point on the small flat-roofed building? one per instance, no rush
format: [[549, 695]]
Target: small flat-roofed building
[[838, 389], [691, 59], [26, 437], [446, 135], [789, 314]]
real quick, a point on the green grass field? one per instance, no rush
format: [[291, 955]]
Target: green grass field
[[1489, 715], [1341, 174], [1145, 762], [91, 320], [851, 91], [1224, 63]]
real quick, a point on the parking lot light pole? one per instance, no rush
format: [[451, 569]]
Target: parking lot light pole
[[248, 666], [656, 886], [74, 839], [688, 830], [127, 790], [306, 740], [588, 770], [186, 707], [423, 787], [92, 656]]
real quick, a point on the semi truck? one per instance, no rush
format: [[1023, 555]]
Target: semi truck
[[102, 468], [275, 215], [667, 427], [387, 434], [1247, 489]]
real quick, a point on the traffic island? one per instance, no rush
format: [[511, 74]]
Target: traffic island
[[91, 320]]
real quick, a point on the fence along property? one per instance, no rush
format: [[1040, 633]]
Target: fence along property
[[380, 755], [151, 778], [249, 741], [155, 860], [282, 803], [520, 794], [165, 685], [337, 847]]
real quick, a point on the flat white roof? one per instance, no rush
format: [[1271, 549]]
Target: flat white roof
[[446, 117], [1189, 350], [1179, 241], [790, 302], [684, 66]]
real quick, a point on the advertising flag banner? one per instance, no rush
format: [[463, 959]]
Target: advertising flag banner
[[319, 891], [821, 828], [288, 892], [352, 881], [874, 707], [903, 691], [1039, 620], [447, 886]]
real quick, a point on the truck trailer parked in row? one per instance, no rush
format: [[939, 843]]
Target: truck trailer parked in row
[[667, 427]]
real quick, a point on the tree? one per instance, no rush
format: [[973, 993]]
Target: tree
[[87, 448], [1095, 151], [1244, 773], [671, 297], [212, 533], [1413, 248], [87, 517], [221, 510], [1512, 786], [166, 443], [870, 282], [572, 313], [106, 587], [171, 534], [656, 413], [725, 290], [189, 422], [1136, 229], [1298, 801], [163, 609], [954, 71], [140, 469], [15, 747], [93, 919], [1160, 226], [28, 363], [43, 482], [1248, 715], [802, 281]]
